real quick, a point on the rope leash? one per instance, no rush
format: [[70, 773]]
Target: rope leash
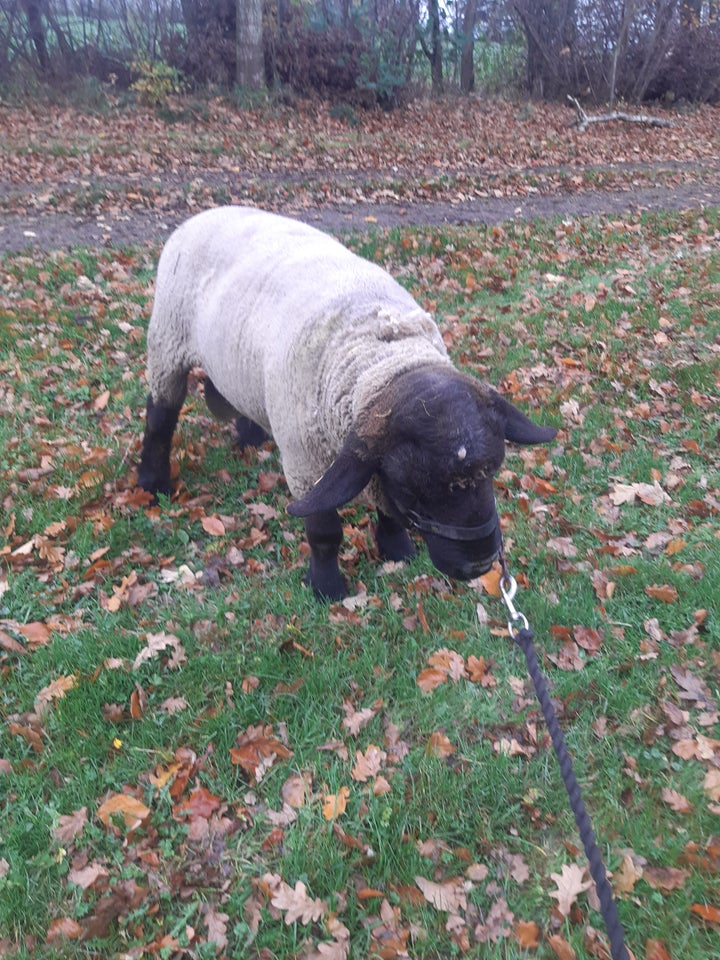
[[523, 636]]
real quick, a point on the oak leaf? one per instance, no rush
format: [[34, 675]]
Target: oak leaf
[[570, 883], [54, 691], [448, 895], [297, 905], [368, 764], [70, 825], [676, 801]]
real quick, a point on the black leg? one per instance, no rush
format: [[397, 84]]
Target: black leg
[[392, 539], [248, 433], [324, 532], [154, 467]]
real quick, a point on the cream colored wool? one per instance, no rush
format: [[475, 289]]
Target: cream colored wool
[[295, 331]]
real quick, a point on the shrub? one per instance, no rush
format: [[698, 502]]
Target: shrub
[[156, 81]]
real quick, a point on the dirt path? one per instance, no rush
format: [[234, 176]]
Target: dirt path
[[47, 230]]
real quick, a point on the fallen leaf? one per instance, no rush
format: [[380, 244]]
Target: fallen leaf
[[627, 876], [86, 877], [570, 883], [63, 928], [706, 912], [334, 804], [527, 933], [213, 525], [216, 924], [665, 879], [367, 765], [70, 825], [54, 691], [448, 895], [430, 679], [665, 592], [561, 948], [158, 643], [297, 905], [676, 801], [656, 950], [439, 746], [132, 810]]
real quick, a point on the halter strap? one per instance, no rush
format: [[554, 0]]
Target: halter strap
[[450, 531]]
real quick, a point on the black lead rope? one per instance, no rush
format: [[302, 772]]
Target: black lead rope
[[524, 639]]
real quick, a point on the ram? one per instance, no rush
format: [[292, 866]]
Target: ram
[[303, 340]]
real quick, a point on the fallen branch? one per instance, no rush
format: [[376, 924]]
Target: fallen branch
[[583, 119]]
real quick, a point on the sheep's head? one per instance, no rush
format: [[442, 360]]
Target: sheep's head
[[435, 439]]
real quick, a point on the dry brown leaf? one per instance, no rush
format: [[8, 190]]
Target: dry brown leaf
[[70, 825], [448, 895], [527, 933], [571, 883], [296, 789], [656, 950], [297, 905], [54, 691], [498, 924], [665, 879], [368, 764], [132, 810], [334, 804], [561, 948], [665, 592], [356, 720], [706, 912], [430, 678], [439, 746], [158, 643], [85, 877], [627, 876], [63, 928], [216, 923], [213, 525], [676, 801]]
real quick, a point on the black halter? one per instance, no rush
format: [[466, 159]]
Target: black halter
[[449, 530]]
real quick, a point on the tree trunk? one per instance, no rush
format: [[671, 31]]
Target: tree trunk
[[249, 38], [33, 13], [432, 46], [467, 61]]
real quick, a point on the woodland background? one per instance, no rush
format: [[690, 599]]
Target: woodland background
[[369, 51]]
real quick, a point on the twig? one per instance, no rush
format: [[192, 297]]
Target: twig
[[583, 119]]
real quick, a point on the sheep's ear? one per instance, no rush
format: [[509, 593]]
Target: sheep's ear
[[349, 474], [520, 429]]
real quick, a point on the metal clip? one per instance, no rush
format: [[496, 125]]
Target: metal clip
[[508, 589]]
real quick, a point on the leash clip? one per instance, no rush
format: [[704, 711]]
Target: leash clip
[[508, 589]]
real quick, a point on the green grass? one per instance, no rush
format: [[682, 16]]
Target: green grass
[[607, 330]]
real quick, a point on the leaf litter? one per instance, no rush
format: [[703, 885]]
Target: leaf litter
[[662, 515]]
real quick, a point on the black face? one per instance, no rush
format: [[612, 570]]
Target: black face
[[439, 478]]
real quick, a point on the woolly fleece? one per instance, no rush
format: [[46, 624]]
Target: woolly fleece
[[296, 332]]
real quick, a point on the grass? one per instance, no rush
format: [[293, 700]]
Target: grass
[[608, 330]]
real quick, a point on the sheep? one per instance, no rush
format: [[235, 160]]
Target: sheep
[[303, 340]]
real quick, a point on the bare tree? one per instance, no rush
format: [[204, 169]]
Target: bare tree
[[249, 44], [467, 54], [431, 43]]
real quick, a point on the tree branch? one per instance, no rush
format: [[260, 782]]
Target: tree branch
[[583, 120]]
